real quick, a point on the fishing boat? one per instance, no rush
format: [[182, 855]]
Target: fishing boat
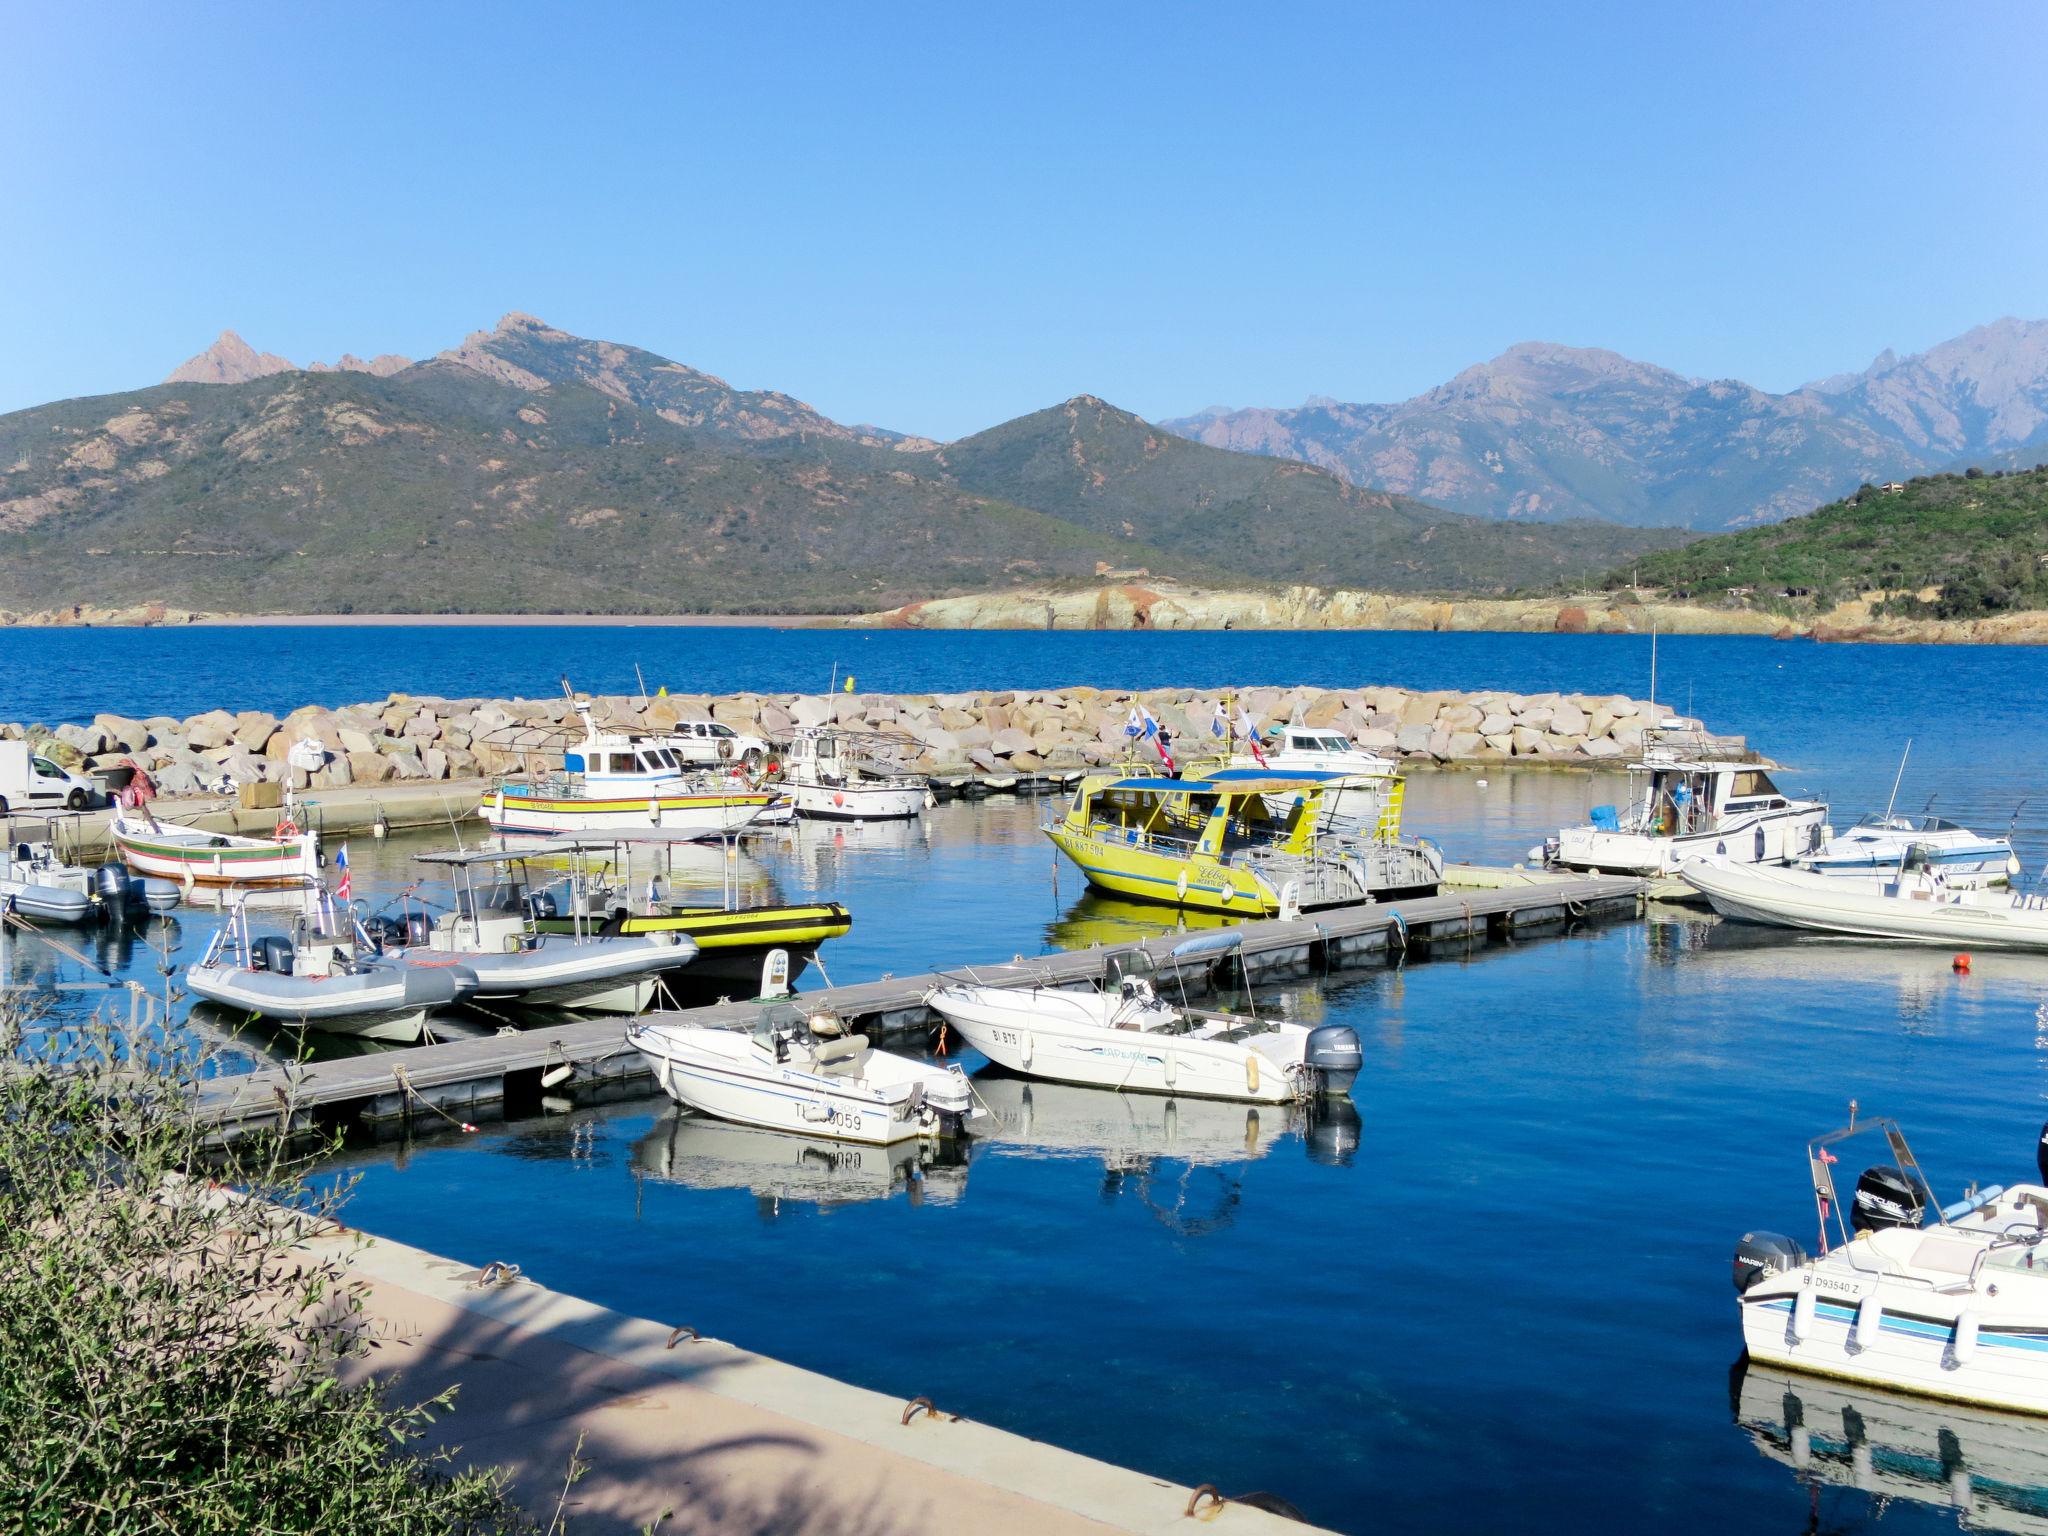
[[39, 880], [1906, 1294], [495, 930], [322, 974], [1877, 845], [192, 856], [1117, 1032], [1914, 904], [1694, 795], [1247, 847], [805, 1074], [1988, 1469], [838, 775], [701, 1152], [623, 781]]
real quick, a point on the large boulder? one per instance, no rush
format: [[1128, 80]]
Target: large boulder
[[1465, 743], [122, 734], [177, 779], [333, 774], [1459, 717], [1528, 741], [1568, 720], [421, 727], [1601, 747], [808, 709], [350, 739], [215, 728], [365, 768], [253, 729], [85, 740], [407, 765], [1009, 742], [1496, 723], [1412, 738]]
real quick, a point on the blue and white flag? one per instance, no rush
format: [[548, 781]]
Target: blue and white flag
[[1219, 723], [1134, 727], [1151, 722]]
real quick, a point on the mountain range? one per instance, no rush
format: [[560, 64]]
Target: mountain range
[[1546, 432], [528, 469]]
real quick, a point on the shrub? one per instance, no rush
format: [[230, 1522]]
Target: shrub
[[168, 1345]]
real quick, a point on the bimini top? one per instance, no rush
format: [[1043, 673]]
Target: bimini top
[[1237, 777], [1252, 783]]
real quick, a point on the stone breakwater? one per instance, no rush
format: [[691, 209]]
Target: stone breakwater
[[409, 738]]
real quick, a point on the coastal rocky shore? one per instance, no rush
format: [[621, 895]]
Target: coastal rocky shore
[[408, 738]]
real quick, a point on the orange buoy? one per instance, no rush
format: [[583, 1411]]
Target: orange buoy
[[1960, 965]]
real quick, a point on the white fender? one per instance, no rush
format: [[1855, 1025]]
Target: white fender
[[1024, 1052], [1964, 1346], [1869, 1319], [1251, 1071], [1170, 1063], [1802, 1447], [1180, 886], [1802, 1316]]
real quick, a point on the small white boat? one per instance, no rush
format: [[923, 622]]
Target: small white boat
[[39, 881], [1988, 1469], [1312, 749], [1877, 845], [189, 856], [1693, 795], [1118, 1033], [1905, 1294], [808, 1076], [1914, 905], [493, 931], [315, 978], [835, 775]]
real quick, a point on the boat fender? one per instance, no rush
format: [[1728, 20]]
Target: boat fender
[[1251, 1071], [1963, 1348], [1802, 1316], [1869, 1320]]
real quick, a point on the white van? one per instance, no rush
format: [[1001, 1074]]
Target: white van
[[29, 782]]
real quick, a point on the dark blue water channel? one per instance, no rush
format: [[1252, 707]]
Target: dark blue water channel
[[1498, 1298]]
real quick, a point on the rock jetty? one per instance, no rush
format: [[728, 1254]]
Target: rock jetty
[[409, 738]]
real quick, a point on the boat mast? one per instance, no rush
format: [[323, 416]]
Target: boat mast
[[1653, 668], [1894, 800]]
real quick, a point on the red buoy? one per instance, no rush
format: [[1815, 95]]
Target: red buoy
[[1960, 965]]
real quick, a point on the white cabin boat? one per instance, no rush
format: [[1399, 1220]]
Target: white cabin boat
[[1877, 845], [1318, 749], [835, 775], [1915, 905], [1944, 1302], [808, 1076], [624, 781], [1118, 1033], [40, 882], [1693, 795]]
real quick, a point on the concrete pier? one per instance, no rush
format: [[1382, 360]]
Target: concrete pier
[[436, 1087], [701, 1436]]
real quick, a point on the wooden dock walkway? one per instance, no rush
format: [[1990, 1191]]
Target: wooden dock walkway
[[443, 1086]]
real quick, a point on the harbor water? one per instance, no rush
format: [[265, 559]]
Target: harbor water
[[1494, 1295]]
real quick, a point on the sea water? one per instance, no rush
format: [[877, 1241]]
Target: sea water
[[1497, 1296]]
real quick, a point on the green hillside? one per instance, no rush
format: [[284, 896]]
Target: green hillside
[[1980, 538], [531, 470]]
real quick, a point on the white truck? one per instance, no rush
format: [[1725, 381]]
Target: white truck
[[29, 782], [711, 744]]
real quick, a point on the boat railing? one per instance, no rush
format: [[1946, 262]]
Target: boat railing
[[1692, 743]]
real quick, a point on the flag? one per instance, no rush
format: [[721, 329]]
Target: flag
[[1219, 723], [1134, 727], [341, 886], [1158, 739], [1250, 730]]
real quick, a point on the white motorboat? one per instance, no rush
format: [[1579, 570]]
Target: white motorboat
[[39, 881], [1118, 1033], [706, 1153], [1693, 795], [1947, 1302], [1877, 845], [808, 1076], [1988, 1468], [316, 977], [1317, 749], [494, 931], [616, 781], [837, 775], [1914, 905], [191, 856]]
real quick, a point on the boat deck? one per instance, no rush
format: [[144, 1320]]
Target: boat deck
[[445, 1086]]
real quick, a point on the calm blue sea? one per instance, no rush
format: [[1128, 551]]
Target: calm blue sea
[[1496, 1299]]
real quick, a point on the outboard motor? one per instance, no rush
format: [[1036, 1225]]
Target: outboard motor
[[1333, 1133], [274, 953], [1764, 1253], [1334, 1054], [115, 887], [1884, 1198]]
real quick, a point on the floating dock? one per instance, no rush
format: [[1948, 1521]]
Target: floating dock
[[509, 1075]]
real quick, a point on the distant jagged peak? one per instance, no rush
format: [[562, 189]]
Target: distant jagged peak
[[230, 360], [1552, 365]]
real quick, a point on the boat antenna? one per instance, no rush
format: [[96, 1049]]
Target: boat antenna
[[1653, 668], [1896, 777], [640, 678], [2014, 825]]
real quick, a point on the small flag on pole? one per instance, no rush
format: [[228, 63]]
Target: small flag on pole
[[341, 886]]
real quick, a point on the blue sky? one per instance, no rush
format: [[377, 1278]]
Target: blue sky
[[936, 218]]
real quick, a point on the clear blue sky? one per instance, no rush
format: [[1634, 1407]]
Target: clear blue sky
[[937, 218]]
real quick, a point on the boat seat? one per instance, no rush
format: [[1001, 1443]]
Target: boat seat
[[844, 1057]]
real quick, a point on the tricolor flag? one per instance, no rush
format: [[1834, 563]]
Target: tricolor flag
[[1152, 731], [1250, 730], [341, 886]]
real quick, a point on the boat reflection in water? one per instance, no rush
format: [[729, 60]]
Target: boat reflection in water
[[774, 1166], [1180, 1158], [1990, 1468]]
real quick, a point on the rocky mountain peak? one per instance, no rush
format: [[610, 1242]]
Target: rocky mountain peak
[[230, 360]]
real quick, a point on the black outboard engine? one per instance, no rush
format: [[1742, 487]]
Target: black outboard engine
[[1884, 1198], [274, 954], [1764, 1253], [116, 887], [1335, 1055]]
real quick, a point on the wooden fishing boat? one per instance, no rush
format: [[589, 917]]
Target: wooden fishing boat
[[192, 856]]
